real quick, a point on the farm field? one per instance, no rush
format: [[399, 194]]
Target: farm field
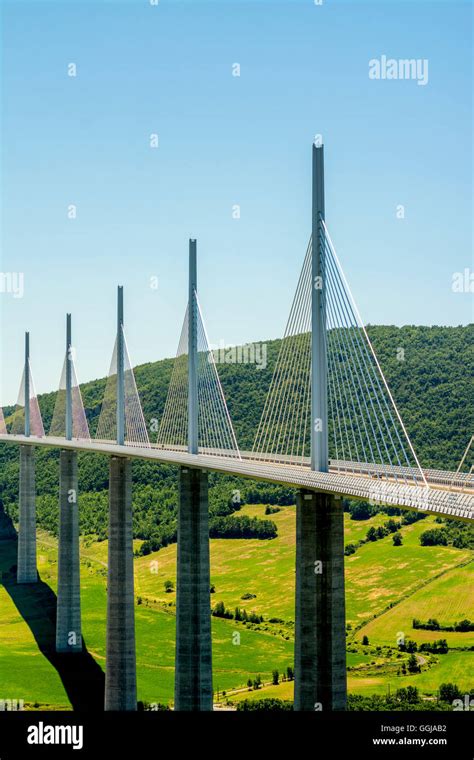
[[417, 581]]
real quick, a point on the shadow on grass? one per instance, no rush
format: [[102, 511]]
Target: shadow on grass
[[82, 678]]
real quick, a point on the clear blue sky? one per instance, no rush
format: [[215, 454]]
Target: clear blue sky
[[225, 140]]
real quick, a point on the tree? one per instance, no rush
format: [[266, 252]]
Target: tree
[[275, 678], [169, 586], [365, 641], [437, 647], [360, 511], [289, 673], [221, 611], [464, 625], [265, 705], [449, 692], [410, 695], [392, 526], [241, 526], [397, 539], [250, 684], [435, 537], [371, 534], [413, 666]]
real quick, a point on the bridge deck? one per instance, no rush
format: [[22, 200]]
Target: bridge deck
[[438, 498]]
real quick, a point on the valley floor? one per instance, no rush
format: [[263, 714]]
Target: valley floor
[[386, 587]]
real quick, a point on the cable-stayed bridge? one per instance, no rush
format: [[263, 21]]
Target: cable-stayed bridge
[[330, 428]]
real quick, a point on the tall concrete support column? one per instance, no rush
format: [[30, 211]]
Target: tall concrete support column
[[192, 351], [193, 667], [319, 406], [320, 637], [120, 674], [68, 614], [26, 565]]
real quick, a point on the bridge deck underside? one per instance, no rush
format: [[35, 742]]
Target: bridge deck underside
[[441, 497]]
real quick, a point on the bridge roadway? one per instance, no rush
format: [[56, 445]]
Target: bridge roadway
[[447, 494]]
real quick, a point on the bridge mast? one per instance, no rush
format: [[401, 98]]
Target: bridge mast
[[26, 561], [193, 663], [120, 673], [192, 352], [68, 609], [320, 645], [27, 384], [68, 379], [319, 411], [120, 370]]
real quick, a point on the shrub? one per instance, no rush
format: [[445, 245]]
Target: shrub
[[269, 510]]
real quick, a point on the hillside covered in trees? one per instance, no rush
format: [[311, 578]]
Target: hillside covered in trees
[[429, 371]]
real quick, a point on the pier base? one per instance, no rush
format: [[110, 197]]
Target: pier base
[[26, 566], [120, 673], [320, 636], [68, 616], [193, 668]]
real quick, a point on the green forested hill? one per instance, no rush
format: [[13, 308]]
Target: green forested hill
[[429, 370]]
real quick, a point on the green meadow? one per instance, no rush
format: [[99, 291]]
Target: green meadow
[[386, 586]]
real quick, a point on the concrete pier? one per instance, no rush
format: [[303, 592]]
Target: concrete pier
[[68, 617], [193, 667], [26, 566], [320, 642], [120, 673]]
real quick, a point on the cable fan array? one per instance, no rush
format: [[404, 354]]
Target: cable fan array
[[215, 432], [284, 428], [364, 425], [365, 430], [18, 418], [136, 433], [80, 428]]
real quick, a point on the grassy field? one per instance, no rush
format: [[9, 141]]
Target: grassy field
[[455, 667], [417, 581], [448, 599], [26, 673]]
